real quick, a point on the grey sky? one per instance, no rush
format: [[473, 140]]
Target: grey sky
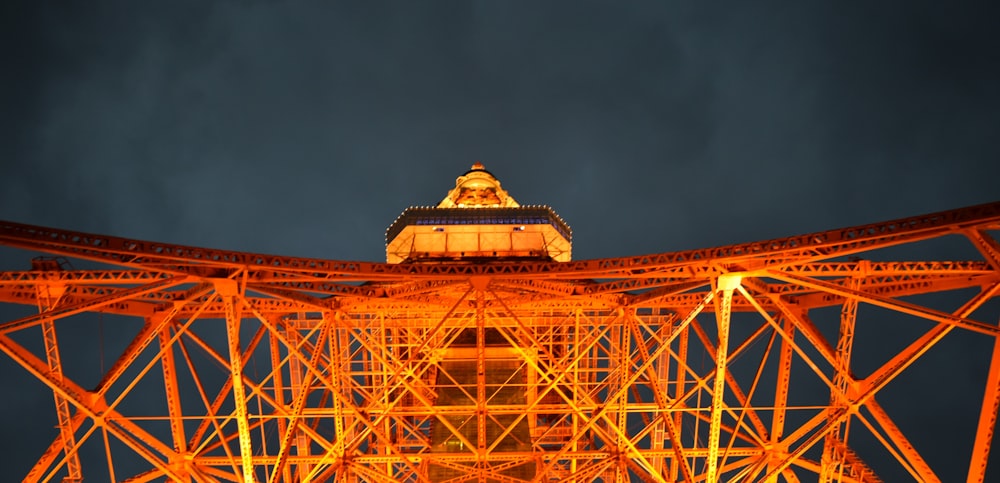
[[305, 129]]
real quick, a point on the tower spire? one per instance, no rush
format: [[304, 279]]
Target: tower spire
[[478, 188]]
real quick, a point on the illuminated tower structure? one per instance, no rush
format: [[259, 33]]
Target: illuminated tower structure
[[481, 386], [481, 352]]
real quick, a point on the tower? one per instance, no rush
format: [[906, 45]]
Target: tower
[[481, 352]]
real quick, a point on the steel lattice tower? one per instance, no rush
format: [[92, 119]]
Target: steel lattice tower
[[480, 352]]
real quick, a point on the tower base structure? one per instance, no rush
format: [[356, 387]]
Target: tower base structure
[[779, 360]]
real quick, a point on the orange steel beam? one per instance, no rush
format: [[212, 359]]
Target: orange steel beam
[[987, 419], [171, 391], [781, 251], [127, 432], [722, 316], [67, 432], [834, 453], [910, 282], [990, 249]]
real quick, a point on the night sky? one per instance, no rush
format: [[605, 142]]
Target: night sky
[[295, 129]]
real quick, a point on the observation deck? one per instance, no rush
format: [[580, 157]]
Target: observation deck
[[478, 219]]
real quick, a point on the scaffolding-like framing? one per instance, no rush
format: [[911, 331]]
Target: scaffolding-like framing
[[667, 367]]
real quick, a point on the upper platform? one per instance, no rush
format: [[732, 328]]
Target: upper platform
[[478, 219]]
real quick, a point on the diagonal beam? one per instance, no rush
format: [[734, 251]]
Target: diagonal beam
[[888, 371], [229, 291], [138, 344], [987, 246], [891, 304], [902, 442], [991, 399], [133, 436], [987, 419]]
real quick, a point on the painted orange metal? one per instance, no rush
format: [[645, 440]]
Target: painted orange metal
[[663, 367]]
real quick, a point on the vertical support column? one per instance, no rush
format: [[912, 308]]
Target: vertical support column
[[531, 394], [834, 445], [170, 388], [391, 426], [776, 449], [613, 380], [723, 310], [680, 388], [229, 291], [624, 350], [987, 419], [366, 363], [479, 285], [48, 295], [480, 387], [277, 376], [576, 388], [62, 407], [990, 249], [299, 392], [337, 342], [663, 386]]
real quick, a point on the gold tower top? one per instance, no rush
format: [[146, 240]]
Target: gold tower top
[[478, 188]]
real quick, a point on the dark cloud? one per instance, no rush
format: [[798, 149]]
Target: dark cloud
[[305, 129]]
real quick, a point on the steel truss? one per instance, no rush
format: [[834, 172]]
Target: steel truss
[[667, 367]]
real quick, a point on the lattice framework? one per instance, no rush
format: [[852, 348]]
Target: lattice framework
[[288, 369]]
